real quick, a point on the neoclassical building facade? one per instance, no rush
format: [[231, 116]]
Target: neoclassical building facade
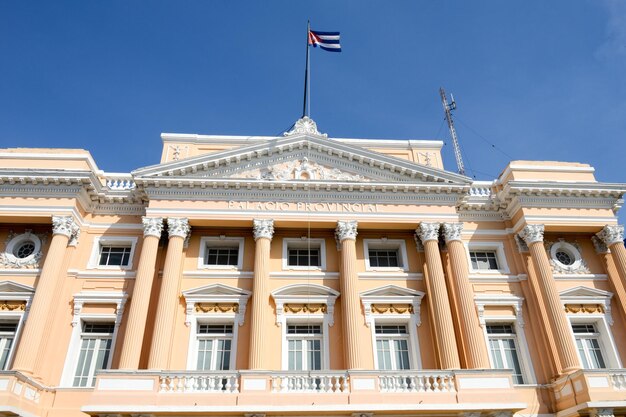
[[304, 275]]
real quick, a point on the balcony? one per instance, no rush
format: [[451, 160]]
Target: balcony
[[339, 392]]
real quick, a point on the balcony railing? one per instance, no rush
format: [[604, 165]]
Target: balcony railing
[[310, 382], [417, 381], [618, 379], [200, 381]]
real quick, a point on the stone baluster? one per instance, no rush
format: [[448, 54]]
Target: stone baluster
[[345, 233], [263, 231], [533, 237], [178, 229], [138, 311], [471, 332], [438, 302], [63, 228]]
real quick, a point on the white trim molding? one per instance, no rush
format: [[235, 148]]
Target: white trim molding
[[381, 306], [214, 304], [498, 247], [507, 300], [121, 241], [398, 245], [304, 243], [305, 303], [221, 241]]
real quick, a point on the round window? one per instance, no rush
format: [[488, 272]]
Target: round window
[[564, 257], [24, 249]]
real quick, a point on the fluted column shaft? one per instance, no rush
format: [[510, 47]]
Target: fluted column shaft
[[351, 309], [471, 333], [533, 236], [178, 229], [63, 227], [138, 311], [263, 232], [438, 302]]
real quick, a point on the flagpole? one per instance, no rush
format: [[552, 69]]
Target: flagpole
[[306, 71]]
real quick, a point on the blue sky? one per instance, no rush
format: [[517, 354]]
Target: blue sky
[[539, 79]]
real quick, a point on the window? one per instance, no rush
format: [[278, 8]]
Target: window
[[392, 347], [112, 253], [22, 250], [384, 254], [384, 258], [304, 344], [484, 260], [566, 258], [589, 347], [221, 252], [487, 257], [95, 350], [214, 346], [503, 349], [8, 329], [304, 254]]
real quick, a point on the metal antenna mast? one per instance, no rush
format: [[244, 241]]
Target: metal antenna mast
[[447, 108]]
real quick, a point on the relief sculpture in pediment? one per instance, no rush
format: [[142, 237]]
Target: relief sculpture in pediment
[[303, 170]]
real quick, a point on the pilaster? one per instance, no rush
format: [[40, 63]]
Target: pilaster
[[263, 231], [438, 302], [63, 228], [345, 233], [471, 332], [138, 311], [533, 237], [178, 230]]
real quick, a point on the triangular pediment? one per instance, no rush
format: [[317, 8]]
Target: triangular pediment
[[301, 158], [13, 288], [215, 291], [391, 291], [584, 293]]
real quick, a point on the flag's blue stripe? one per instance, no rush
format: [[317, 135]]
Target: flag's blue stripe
[[325, 33], [330, 49]]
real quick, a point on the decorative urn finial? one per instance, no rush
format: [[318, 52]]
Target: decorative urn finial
[[305, 126]]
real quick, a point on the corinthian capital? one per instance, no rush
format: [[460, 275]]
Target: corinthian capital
[[152, 226], [64, 225], [428, 231], [178, 226], [532, 233], [452, 231], [263, 228], [346, 229], [611, 234]]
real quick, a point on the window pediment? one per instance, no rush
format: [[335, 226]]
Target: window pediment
[[391, 300], [216, 299], [311, 299]]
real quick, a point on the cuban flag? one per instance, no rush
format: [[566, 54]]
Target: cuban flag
[[328, 41]]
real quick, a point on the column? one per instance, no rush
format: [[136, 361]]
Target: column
[[345, 233], [178, 229], [613, 237], [138, 312], [438, 302], [471, 332], [263, 231], [533, 236], [63, 228]]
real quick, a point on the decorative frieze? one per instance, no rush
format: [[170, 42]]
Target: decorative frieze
[[346, 229], [428, 231], [305, 308], [217, 307], [532, 233], [584, 308], [12, 305], [452, 231], [178, 226], [611, 234], [392, 308], [300, 169], [263, 228], [152, 226]]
